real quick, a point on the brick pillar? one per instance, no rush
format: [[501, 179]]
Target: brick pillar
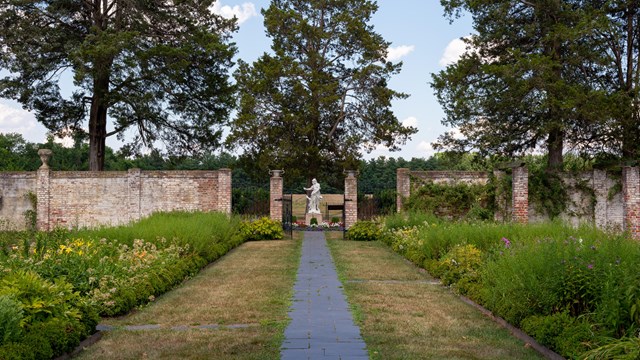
[[134, 182], [520, 198], [631, 199], [501, 196], [224, 191], [403, 186], [350, 198], [43, 191], [601, 192], [275, 194]]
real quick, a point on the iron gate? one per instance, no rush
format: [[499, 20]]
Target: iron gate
[[287, 215]]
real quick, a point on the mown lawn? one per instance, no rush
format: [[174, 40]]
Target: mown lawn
[[404, 314], [251, 286]]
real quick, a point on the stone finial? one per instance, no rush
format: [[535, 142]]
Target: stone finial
[[351, 173], [276, 173], [45, 155]]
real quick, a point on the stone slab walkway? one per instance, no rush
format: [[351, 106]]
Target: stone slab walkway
[[321, 324]]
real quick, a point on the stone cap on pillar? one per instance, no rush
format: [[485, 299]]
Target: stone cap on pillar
[[45, 155], [276, 173], [351, 173]]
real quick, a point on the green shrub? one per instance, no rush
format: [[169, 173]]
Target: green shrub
[[560, 331], [461, 261], [546, 328], [335, 220], [11, 316], [262, 229], [452, 201], [364, 231], [313, 221]]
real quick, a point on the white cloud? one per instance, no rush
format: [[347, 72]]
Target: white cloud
[[425, 149], [410, 121], [242, 12], [396, 53], [14, 120], [453, 52]]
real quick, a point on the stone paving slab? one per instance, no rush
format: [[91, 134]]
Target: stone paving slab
[[321, 324]]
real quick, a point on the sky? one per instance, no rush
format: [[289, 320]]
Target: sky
[[420, 36]]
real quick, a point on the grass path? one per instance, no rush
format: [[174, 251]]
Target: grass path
[[403, 315], [250, 286]]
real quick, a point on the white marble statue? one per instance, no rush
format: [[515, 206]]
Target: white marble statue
[[314, 198]]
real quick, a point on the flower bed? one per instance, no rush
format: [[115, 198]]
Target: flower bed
[[324, 226], [54, 285], [576, 291]]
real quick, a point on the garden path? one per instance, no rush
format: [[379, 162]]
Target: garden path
[[321, 324]]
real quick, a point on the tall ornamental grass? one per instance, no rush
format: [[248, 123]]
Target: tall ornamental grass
[[573, 289]]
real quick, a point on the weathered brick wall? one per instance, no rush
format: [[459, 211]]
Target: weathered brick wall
[[408, 181], [87, 199], [14, 202], [403, 186], [178, 190], [631, 195], [90, 199], [594, 202], [275, 195], [520, 195], [350, 199]]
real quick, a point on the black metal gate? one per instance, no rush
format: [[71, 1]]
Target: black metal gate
[[287, 215]]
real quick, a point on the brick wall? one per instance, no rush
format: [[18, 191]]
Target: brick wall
[[520, 195], [631, 195], [90, 199], [14, 202], [275, 195], [408, 181], [350, 199], [600, 204]]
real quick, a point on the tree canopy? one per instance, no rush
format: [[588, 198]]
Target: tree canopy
[[159, 68], [523, 83], [321, 98]]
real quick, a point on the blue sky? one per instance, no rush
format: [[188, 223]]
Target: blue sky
[[420, 36]]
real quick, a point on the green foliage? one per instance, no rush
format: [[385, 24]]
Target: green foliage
[[626, 348], [250, 201], [547, 192], [31, 215], [11, 319], [364, 231], [568, 335], [313, 221], [262, 229], [526, 77], [451, 200], [167, 86], [62, 279], [409, 219], [570, 288], [462, 261], [303, 123]]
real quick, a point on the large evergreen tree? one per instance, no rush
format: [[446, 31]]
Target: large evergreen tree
[[157, 67], [321, 97], [523, 83], [619, 76]]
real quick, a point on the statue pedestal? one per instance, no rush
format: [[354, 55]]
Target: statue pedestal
[[308, 218]]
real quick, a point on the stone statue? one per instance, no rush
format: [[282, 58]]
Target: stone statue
[[314, 198]]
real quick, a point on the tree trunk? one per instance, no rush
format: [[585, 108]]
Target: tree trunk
[[555, 147], [98, 120]]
